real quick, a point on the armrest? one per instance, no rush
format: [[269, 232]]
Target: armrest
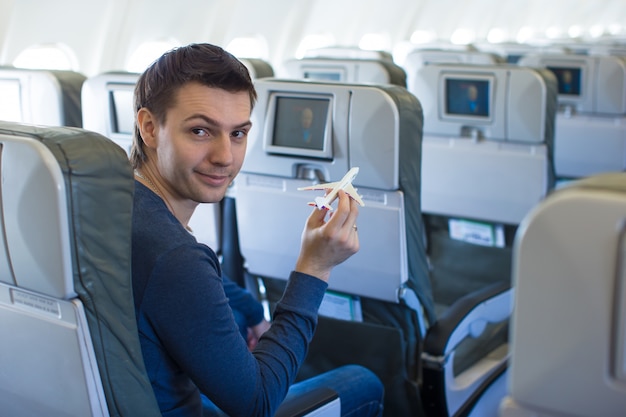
[[468, 317], [456, 394], [321, 402]]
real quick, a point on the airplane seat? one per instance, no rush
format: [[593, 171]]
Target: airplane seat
[[343, 52], [108, 106], [43, 97], [512, 52], [615, 49], [258, 68], [486, 161], [108, 109], [420, 57], [590, 133], [368, 294], [340, 64], [381, 297], [347, 70], [67, 311], [570, 295], [66, 303]]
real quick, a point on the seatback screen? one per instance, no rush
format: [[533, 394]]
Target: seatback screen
[[300, 123], [569, 80], [467, 97], [122, 113]]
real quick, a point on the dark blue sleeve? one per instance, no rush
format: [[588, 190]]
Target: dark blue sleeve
[[198, 331], [241, 300]]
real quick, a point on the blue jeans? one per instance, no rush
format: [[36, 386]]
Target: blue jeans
[[360, 391]]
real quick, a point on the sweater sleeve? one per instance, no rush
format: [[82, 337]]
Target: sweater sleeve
[[188, 309], [240, 299]]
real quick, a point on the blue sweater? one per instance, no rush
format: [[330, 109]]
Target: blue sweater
[[189, 338]]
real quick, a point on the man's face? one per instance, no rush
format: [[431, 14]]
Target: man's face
[[306, 118], [472, 93], [201, 146], [567, 77]]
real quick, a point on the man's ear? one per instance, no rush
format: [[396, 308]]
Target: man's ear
[[147, 124]]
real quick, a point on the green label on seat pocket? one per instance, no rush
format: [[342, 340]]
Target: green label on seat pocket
[[478, 233]]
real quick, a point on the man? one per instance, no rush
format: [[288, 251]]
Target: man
[[193, 109], [306, 121]]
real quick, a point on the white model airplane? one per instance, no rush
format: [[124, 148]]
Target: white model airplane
[[334, 187]]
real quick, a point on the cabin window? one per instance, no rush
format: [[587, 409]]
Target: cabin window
[[575, 31], [401, 50], [314, 42], [147, 53], [47, 56], [497, 35], [421, 36], [525, 34], [375, 42], [554, 32], [249, 47], [616, 29], [596, 31], [463, 36]]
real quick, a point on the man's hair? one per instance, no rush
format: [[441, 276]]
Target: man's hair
[[203, 63]]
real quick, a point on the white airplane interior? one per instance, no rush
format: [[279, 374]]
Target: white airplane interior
[[490, 141]]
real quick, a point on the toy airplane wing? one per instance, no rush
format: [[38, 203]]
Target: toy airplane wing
[[353, 194], [326, 186], [334, 187], [326, 201]]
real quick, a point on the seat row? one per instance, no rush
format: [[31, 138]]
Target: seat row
[[391, 273], [67, 313], [592, 102], [447, 176]]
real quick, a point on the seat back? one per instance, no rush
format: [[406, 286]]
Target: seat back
[[615, 49], [350, 52], [591, 123], [383, 291], [491, 162], [108, 106], [570, 299], [108, 109], [352, 120], [258, 68], [347, 70], [420, 57], [512, 52], [43, 97], [486, 161], [67, 305]]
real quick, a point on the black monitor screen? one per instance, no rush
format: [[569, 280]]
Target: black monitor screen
[[467, 97], [122, 113], [10, 101], [568, 80], [301, 123]]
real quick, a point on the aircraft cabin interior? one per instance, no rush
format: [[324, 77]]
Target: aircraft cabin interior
[[486, 140]]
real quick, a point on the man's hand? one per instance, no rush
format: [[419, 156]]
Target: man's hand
[[255, 333], [326, 244]]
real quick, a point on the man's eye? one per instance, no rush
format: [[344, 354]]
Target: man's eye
[[199, 131], [239, 134]]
